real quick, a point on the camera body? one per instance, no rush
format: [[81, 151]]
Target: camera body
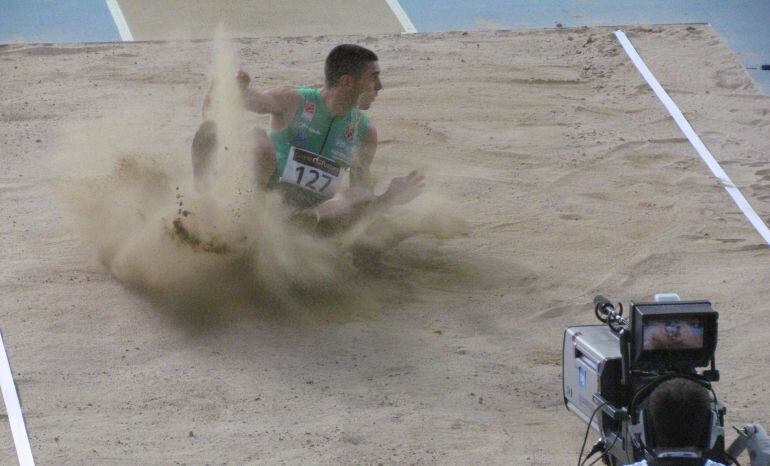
[[610, 369]]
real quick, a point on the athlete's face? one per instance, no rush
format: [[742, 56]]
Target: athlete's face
[[368, 85]]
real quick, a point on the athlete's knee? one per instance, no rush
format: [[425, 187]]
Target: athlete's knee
[[264, 155], [206, 134], [262, 143], [203, 145], [260, 133]]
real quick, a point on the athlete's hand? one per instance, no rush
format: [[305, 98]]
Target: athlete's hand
[[243, 79], [403, 189]]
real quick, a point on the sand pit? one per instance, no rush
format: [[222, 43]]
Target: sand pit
[[573, 180]]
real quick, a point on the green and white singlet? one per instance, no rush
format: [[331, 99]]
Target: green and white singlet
[[305, 178]]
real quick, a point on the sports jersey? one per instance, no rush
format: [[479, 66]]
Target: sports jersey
[[305, 178]]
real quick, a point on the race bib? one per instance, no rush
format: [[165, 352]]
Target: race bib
[[312, 172]]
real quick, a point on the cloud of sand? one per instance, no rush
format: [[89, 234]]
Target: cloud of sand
[[135, 204]]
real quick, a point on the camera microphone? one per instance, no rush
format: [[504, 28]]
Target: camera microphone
[[603, 308], [603, 302], [606, 312]]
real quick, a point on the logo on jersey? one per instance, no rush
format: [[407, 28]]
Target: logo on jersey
[[350, 132], [300, 140], [308, 111]]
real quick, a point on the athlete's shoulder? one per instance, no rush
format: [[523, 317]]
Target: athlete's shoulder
[[282, 91], [370, 134], [288, 98], [308, 92], [361, 116]]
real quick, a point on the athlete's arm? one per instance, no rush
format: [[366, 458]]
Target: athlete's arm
[[280, 101], [360, 176], [401, 189]]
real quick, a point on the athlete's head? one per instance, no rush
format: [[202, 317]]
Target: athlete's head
[[680, 412], [356, 70]]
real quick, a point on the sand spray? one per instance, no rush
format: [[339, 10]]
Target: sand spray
[[229, 247]]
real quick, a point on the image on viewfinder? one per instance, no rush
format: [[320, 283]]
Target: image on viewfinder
[[673, 334]]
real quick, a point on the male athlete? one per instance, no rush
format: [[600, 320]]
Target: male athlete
[[315, 137]]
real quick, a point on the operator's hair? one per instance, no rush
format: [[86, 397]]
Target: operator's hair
[[680, 413], [347, 59]]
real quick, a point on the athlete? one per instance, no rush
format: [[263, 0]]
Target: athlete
[[315, 137]]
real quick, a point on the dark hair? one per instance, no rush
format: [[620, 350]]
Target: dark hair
[[680, 413], [347, 59]]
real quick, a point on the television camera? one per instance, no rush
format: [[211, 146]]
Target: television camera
[[609, 371]]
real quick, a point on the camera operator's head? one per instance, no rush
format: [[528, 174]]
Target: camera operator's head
[[677, 424], [679, 414]]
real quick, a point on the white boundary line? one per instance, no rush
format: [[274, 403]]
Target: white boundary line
[[696, 142], [120, 21], [406, 23], [13, 408]]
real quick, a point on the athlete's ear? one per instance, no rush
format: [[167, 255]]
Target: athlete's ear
[[346, 80]]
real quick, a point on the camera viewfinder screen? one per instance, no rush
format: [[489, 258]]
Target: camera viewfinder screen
[[672, 333]]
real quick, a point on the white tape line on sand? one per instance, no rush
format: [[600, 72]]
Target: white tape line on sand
[[406, 23], [696, 142], [13, 408], [120, 21]]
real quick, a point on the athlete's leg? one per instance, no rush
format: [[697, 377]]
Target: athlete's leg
[[205, 144], [264, 157], [203, 147]]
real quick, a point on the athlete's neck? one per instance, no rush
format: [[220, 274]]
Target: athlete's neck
[[336, 100]]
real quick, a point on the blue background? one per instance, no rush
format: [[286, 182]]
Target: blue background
[[56, 21]]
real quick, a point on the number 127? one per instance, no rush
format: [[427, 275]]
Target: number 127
[[314, 175]]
